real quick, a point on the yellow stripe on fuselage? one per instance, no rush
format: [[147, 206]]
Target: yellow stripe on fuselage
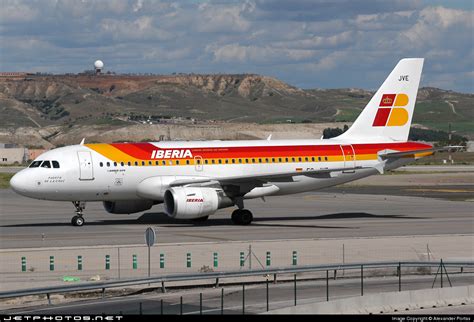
[[111, 152]]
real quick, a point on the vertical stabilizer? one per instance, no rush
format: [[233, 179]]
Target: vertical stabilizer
[[387, 117]]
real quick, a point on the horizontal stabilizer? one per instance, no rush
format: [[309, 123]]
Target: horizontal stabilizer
[[391, 154]]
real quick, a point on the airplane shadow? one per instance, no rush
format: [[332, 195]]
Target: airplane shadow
[[162, 219]]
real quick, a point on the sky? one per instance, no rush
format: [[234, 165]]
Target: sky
[[308, 44]]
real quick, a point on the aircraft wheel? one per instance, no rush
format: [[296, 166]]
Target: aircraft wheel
[[246, 217], [242, 217], [235, 216], [77, 221]]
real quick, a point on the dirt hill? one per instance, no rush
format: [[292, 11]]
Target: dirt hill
[[66, 102]]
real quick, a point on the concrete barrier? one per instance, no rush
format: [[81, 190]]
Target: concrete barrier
[[387, 302]]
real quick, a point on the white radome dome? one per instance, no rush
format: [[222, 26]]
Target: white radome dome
[[98, 64]]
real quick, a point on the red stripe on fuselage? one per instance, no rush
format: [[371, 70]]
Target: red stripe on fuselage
[[144, 151], [137, 150], [376, 147]]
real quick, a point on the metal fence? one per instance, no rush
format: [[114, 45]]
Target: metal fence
[[322, 274]]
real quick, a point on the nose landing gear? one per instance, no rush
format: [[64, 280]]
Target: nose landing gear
[[78, 219]]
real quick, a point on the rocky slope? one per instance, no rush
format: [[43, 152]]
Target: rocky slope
[[64, 103]]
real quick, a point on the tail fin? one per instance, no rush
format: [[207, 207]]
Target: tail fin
[[387, 117]]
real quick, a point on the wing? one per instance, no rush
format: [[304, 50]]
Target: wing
[[258, 179]]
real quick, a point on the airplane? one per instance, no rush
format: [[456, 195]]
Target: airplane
[[193, 179]]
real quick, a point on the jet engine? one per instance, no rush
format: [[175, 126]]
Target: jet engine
[[127, 206], [194, 202]]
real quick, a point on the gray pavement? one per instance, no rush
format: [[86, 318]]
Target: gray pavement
[[438, 168], [27, 222], [372, 219]]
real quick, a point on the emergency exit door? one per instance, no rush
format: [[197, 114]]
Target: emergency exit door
[[349, 157]]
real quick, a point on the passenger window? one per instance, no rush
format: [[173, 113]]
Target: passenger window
[[150, 163], [108, 164], [187, 161], [199, 161], [157, 163], [163, 162], [306, 159], [143, 162], [121, 163], [213, 161], [115, 164], [177, 161], [46, 164], [279, 159], [206, 161], [100, 164], [136, 162], [266, 160], [299, 159], [35, 164], [319, 158], [312, 159], [220, 161], [326, 158], [129, 163], [286, 159]]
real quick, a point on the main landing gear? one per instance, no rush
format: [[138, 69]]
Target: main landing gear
[[78, 219], [242, 217]]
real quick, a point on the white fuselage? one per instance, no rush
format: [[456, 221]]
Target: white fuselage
[[93, 180]]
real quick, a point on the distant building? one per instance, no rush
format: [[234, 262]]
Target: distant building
[[8, 145], [470, 146], [12, 155], [13, 74]]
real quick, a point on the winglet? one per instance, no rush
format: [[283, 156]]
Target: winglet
[[82, 142]]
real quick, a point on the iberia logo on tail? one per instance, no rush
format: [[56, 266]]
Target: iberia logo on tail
[[391, 112]]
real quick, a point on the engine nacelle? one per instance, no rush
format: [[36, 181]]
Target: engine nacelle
[[193, 202], [127, 206]]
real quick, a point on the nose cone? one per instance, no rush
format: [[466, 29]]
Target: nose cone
[[19, 183]]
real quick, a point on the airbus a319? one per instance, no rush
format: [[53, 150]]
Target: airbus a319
[[195, 179]]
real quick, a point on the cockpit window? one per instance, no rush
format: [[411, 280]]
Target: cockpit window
[[46, 164], [55, 164], [35, 164]]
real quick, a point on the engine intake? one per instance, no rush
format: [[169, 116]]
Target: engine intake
[[192, 202]]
